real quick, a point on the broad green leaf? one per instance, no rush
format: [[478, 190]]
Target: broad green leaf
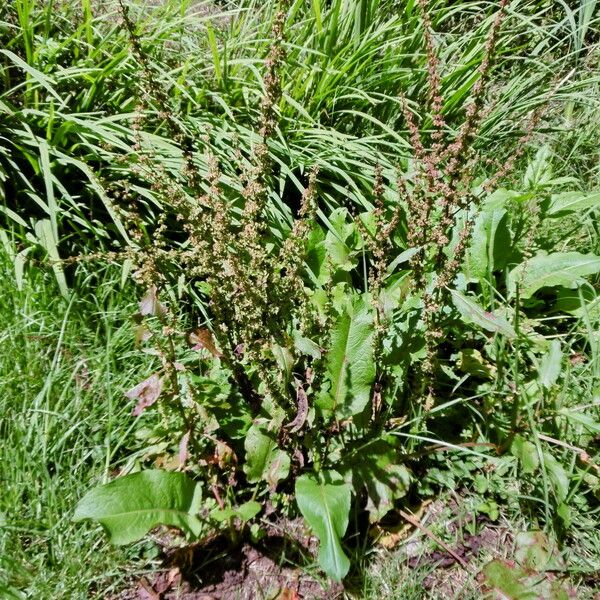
[[244, 512], [341, 240], [580, 302], [569, 202], [471, 361], [565, 269], [306, 346], [316, 255], [326, 507], [403, 257], [505, 580], [473, 313], [265, 461], [491, 243], [551, 364], [533, 549], [350, 365], [558, 476], [501, 197], [585, 420], [527, 454], [248, 510], [377, 468], [130, 506]]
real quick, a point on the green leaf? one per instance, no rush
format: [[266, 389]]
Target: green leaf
[[130, 506], [326, 507], [350, 365], [471, 361], [316, 255], [539, 170], [248, 510], [491, 243], [558, 477], [341, 240], [473, 313], [306, 346], [244, 512], [565, 269], [46, 238], [265, 461], [587, 421], [376, 467], [533, 549], [43, 80], [503, 581], [551, 365], [569, 202], [581, 302], [527, 454]]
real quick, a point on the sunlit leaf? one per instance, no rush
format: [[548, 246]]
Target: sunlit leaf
[[350, 365], [473, 313], [566, 269], [326, 507], [130, 506]]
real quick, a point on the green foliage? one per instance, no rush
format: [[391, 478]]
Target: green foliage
[[566, 269], [130, 506], [350, 365], [471, 312], [264, 460], [332, 278], [324, 502], [528, 578]]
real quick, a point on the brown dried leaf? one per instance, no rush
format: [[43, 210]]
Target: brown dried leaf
[[146, 591], [146, 393], [151, 305], [302, 406], [183, 449], [203, 339]]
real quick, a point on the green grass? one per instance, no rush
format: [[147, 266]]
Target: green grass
[[64, 425]]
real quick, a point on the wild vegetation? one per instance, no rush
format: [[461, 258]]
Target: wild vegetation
[[319, 263]]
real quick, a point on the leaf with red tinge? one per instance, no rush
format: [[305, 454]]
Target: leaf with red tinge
[[151, 305], [183, 449], [506, 580], [146, 393], [203, 339], [473, 313]]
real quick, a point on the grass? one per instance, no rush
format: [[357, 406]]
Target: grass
[[64, 425]]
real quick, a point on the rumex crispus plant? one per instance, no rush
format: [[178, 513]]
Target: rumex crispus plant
[[319, 346]]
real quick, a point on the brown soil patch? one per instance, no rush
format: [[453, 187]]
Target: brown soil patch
[[214, 571]]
